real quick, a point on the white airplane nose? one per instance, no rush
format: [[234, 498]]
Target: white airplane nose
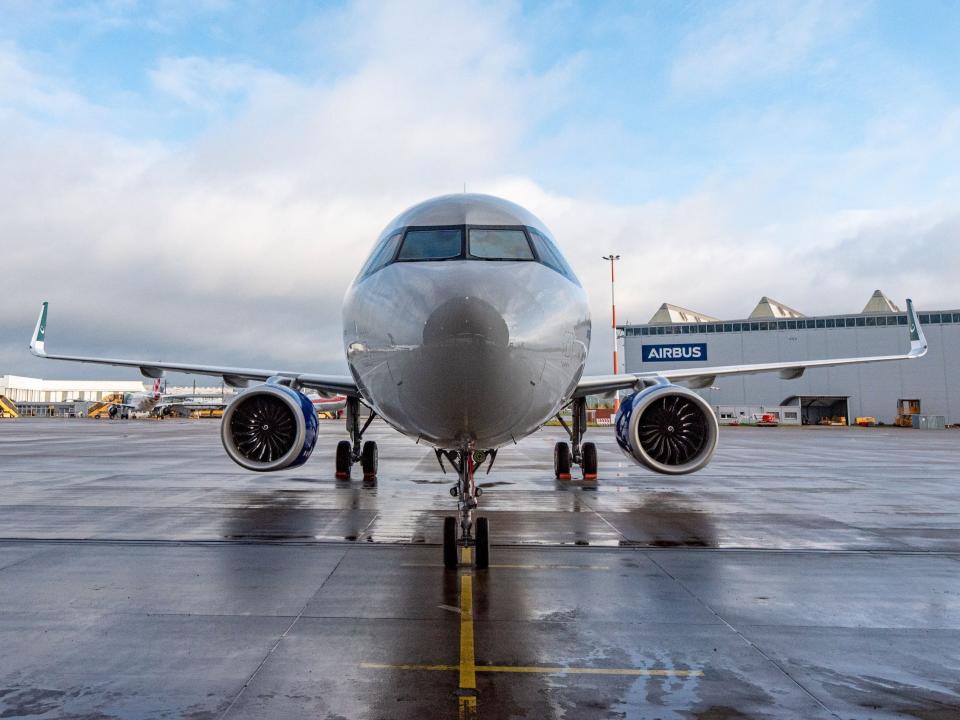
[[465, 352]]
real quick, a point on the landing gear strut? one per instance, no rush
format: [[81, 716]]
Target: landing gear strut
[[352, 451], [584, 455], [473, 533]]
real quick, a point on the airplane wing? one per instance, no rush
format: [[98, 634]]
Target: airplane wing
[[701, 377], [233, 376]]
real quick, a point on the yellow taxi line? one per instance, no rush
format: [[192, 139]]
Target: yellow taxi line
[[468, 678]]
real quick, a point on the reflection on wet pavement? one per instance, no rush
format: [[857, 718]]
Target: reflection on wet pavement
[[139, 582]]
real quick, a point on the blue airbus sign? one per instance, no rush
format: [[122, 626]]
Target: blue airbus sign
[[675, 351]]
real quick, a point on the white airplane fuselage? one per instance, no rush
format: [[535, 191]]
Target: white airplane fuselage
[[466, 352]]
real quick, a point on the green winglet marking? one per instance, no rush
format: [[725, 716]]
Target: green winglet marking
[[913, 320], [42, 327]]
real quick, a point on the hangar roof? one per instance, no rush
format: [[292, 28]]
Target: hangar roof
[[675, 314], [766, 309], [879, 303], [770, 308]]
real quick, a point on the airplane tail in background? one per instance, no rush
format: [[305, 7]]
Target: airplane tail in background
[[158, 388]]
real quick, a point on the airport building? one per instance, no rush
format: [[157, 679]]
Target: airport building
[[677, 337], [57, 398], [36, 397], [36, 390]]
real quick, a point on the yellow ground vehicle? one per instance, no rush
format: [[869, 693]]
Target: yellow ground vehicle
[[207, 413], [8, 408], [101, 408]]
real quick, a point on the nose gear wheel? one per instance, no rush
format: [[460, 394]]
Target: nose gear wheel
[[472, 533]]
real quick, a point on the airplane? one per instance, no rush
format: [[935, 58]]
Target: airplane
[[123, 404], [182, 404], [467, 330], [160, 403], [332, 404], [185, 403]]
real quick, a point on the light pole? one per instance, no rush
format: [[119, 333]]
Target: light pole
[[613, 323]]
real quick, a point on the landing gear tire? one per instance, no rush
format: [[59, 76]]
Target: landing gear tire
[[589, 461], [482, 548], [450, 543], [561, 461], [344, 461], [368, 460]]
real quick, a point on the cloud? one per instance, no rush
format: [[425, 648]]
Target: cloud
[[206, 83], [236, 243], [752, 39], [25, 92]]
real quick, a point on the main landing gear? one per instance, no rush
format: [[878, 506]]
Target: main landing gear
[[584, 455], [352, 451], [473, 532]]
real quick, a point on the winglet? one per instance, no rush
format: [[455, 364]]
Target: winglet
[[36, 342], [918, 342]]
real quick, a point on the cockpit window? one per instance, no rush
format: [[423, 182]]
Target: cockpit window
[[516, 243], [382, 255], [550, 256], [499, 244], [432, 244]]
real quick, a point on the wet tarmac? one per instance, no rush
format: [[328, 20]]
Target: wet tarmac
[[806, 573]]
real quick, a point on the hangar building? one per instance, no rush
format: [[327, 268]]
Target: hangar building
[[775, 332], [38, 390]]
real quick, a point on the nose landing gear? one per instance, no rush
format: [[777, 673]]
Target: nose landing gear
[[473, 534], [584, 455], [351, 451]]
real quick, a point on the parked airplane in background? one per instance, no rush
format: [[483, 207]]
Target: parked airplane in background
[[467, 330], [123, 404], [334, 405], [183, 404]]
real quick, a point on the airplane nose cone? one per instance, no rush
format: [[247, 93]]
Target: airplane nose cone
[[466, 378], [466, 319]]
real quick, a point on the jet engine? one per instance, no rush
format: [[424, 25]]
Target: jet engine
[[667, 428], [269, 427]]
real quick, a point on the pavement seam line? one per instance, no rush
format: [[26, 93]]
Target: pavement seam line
[[33, 556], [603, 519], [542, 670], [286, 632], [744, 638], [399, 546]]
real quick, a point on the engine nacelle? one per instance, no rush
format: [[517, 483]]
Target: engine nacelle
[[269, 427], [668, 429]]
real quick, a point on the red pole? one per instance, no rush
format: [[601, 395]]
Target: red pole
[[613, 314], [613, 325]]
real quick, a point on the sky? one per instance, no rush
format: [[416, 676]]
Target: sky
[[200, 181]]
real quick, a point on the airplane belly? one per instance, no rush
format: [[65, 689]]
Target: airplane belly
[[469, 356]]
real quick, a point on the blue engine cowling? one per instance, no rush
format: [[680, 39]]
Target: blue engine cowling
[[269, 427], [668, 429]]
